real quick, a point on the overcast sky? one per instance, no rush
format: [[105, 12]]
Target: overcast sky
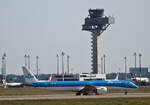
[[48, 27]]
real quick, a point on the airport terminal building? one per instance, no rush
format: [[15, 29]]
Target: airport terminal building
[[137, 71], [80, 77]]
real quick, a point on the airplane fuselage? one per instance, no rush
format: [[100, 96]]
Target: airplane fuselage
[[79, 84]]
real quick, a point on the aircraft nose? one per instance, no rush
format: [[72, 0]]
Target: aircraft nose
[[132, 85], [135, 86]]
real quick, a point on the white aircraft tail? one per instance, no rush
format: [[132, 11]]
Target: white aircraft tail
[[50, 78], [29, 76], [117, 76]]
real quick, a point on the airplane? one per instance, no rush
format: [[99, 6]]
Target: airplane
[[84, 87], [5, 84], [12, 85], [142, 80]]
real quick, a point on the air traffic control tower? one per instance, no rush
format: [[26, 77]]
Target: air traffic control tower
[[96, 23]]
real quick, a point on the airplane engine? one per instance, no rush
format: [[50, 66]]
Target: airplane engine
[[88, 89], [101, 90]]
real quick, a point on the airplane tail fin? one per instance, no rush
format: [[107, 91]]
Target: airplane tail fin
[[50, 78], [133, 75], [29, 76], [117, 76]]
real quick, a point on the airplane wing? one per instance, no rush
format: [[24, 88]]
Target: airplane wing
[[88, 89]]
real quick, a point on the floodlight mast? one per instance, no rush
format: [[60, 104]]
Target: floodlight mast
[[96, 23], [4, 71]]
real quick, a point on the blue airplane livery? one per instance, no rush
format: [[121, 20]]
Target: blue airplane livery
[[99, 85]]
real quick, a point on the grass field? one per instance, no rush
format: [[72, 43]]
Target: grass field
[[41, 91], [30, 91], [145, 89], [109, 101]]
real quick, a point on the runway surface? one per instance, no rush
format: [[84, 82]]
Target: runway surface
[[72, 96]]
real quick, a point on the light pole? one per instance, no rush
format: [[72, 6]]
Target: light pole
[[28, 62], [57, 57], [25, 57], [37, 65], [135, 62], [125, 58], [4, 64], [104, 63], [68, 63], [140, 55], [4, 70], [62, 54]]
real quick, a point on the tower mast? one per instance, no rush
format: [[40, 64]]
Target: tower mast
[[96, 23]]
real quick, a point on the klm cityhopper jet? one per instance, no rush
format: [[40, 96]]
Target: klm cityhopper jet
[[80, 86]]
